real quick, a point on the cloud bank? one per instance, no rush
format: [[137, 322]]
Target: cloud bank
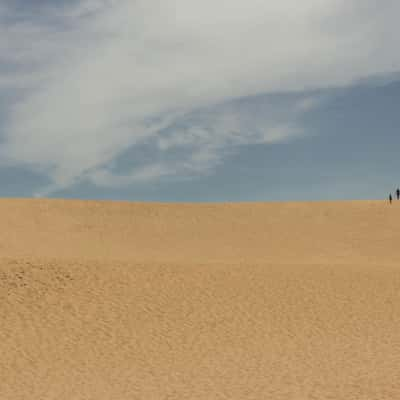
[[95, 78]]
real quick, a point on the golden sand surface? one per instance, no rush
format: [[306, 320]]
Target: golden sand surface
[[118, 300]]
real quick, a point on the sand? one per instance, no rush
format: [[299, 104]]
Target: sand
[[118, 300]]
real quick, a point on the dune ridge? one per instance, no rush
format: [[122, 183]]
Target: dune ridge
[[120, 300], [284, 232]]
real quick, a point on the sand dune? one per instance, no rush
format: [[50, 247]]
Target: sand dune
[[113, 300]]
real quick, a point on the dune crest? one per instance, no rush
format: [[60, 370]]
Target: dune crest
[[136, 232]]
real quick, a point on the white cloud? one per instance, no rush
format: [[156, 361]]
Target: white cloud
[[199, 142], [121, 71]]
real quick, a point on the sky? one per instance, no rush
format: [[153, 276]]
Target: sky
[[181, 100]]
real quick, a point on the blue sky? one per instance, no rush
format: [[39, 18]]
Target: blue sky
[[187, 101]]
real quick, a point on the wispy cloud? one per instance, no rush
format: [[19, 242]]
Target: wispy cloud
[[99, 77]]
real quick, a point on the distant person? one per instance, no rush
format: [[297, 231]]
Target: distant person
[[390, 198], [398, 194]]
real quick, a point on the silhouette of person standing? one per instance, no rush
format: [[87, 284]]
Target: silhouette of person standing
[[390, 198], [398, 194]]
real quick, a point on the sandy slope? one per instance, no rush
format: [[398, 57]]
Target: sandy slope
[[102, 300]]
